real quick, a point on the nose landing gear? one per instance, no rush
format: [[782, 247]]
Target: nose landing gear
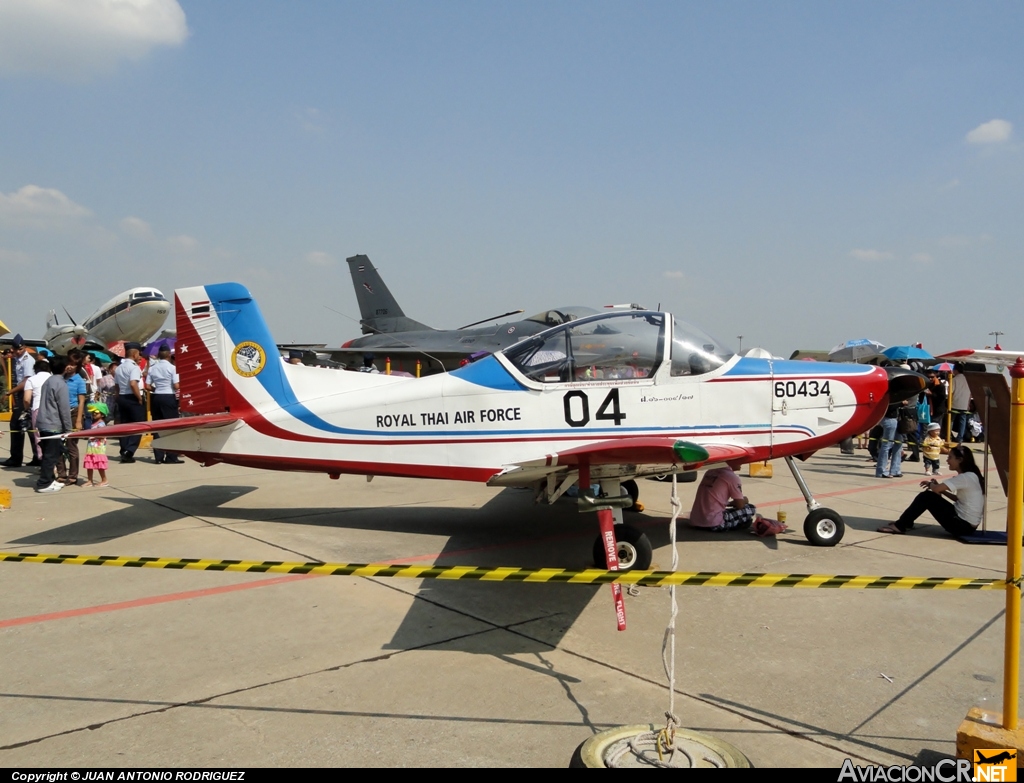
[[822, 526]]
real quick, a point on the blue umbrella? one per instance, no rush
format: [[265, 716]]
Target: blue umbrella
[[904, 352]]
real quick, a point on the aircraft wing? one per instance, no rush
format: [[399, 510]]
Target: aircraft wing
[[982, 356], [163, 426], [653, 451], [633, 452]]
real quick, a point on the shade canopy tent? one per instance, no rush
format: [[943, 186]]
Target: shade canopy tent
[[856, 351]]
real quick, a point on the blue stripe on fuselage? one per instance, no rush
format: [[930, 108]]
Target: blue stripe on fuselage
[[489, 373], [765, 367], [241, 317]]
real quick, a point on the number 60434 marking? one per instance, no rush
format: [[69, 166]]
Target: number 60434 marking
[[801, 389], [576, 405]]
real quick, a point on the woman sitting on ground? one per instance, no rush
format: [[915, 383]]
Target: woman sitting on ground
[[966, 489]]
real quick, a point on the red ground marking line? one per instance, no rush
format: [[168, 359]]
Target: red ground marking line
[[156, 599]]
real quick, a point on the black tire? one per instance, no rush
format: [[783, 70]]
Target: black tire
[[824, 527], [635, 551], [633, 491]]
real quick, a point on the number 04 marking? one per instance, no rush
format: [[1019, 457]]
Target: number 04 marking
[[609, 410]]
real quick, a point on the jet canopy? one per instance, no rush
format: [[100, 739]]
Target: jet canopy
[[561, 315]]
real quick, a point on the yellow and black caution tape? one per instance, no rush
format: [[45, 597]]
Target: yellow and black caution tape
[[593, 576]]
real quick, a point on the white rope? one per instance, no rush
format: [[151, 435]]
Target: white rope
[[668, 644]]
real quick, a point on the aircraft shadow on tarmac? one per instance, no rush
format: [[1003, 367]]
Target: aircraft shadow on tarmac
[[508, 530]]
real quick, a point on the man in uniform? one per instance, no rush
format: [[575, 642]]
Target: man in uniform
[[22, 367], [162, 381], [129, 398]]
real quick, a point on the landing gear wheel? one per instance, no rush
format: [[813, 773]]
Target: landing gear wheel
[[824, 527], [634, 549], [633, 491]]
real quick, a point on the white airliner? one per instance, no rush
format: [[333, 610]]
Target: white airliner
[[131, 316]]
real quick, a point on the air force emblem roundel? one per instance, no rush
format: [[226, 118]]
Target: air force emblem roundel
[[248, 359]]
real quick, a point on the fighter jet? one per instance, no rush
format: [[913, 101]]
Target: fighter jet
[[390, 334]]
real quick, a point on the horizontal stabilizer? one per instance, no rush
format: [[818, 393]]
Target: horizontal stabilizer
[[163, 426]]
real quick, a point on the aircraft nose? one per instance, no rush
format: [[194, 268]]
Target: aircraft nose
[[903, 384]]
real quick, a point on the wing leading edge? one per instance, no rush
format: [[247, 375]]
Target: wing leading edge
[[633, 452]]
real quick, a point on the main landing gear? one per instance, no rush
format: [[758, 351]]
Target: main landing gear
[[632, 546], [822, 526]]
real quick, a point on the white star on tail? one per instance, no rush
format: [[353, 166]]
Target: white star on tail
[[199, 365], [183, 349], [209, 384]]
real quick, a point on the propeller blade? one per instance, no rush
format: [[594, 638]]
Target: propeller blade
[[69, 315]]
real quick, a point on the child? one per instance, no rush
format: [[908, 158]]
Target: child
[[96, 451], [932, 447]]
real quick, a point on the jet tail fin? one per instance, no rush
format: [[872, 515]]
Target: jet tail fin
[[379, 313]]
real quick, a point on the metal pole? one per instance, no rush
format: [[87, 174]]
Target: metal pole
[[1014, 514], [984, 472]]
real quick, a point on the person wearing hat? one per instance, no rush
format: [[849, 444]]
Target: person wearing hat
[[368, 365], [23, 368], [931, 448], [130, 406], [162, 381], [96, 449]]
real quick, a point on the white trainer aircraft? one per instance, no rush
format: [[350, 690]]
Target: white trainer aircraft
[[603, 399]]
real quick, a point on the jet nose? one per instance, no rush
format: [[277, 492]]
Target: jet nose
[[904, 384]]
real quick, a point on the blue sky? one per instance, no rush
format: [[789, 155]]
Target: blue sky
[[798, 173]]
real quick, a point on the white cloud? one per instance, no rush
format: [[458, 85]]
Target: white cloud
[[922, 258], [76, 38], [953, 184], [39, 208], [182, 243], [319, 258], [872, 255], [136, 228], [991, 132], [675, 274]]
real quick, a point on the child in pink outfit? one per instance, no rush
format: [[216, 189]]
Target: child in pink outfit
[[96, 451]]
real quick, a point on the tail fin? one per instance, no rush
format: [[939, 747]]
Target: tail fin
[[226, 357], [378, 311]]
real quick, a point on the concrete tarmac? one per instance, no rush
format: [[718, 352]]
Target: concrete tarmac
[[132, 667]]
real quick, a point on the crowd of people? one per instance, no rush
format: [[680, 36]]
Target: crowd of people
[[50, 396], [917, 424]]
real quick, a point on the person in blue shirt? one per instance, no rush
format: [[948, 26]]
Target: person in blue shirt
[[67, 465]]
